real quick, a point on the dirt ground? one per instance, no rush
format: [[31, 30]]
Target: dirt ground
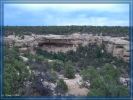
[[74, 86]]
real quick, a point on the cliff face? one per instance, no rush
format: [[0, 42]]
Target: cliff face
[[117, 46]]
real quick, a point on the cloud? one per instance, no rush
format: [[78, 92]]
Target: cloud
[[66, 14], [95, 21], [71, 7]]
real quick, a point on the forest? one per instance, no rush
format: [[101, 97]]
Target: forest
[[66, 30]]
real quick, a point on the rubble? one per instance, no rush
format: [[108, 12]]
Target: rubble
[[125, 81]]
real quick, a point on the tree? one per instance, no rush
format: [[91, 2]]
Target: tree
[[51, 76], [106, 82], [61, 87], [39, 58], [106, 30], [69, 70], [57, 65], [15, 72]]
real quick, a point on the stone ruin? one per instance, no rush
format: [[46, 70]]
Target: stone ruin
[[117, 46]]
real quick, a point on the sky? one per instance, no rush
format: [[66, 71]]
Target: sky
[[66, 14]]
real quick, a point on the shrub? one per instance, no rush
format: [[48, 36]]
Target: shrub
[[51, 76], [57, 66], [61, 87], [105, 82], [69, 70]]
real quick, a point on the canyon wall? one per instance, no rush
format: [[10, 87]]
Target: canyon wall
[[117, 46]]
